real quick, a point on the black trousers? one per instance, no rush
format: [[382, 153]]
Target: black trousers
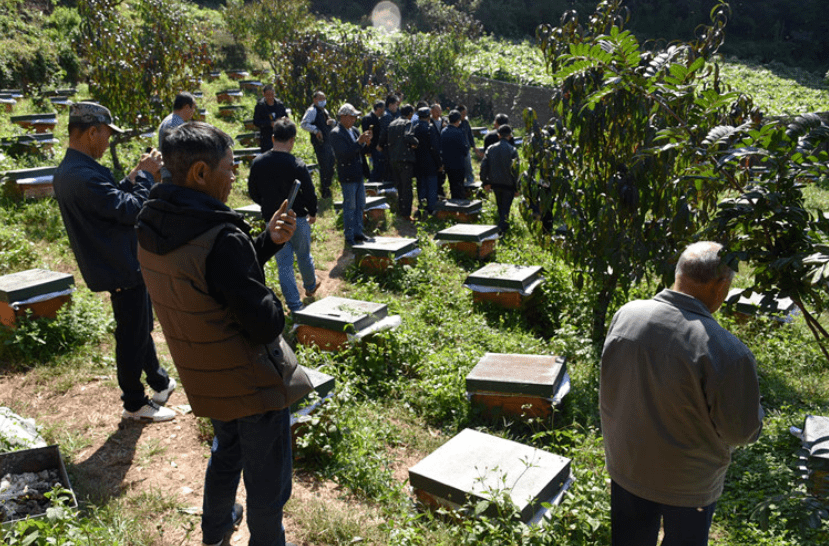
[[134, 347], [402, 174], [457, 177], [635, 521]]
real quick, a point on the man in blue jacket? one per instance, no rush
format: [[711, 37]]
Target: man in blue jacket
[[349, 148], [99, 215]]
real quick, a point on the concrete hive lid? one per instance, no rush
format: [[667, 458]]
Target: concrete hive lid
[[533, 375], [27, 284], [473, 464], [507, 276], [466, 232], [385, 246], [466, 206], [341, 314]]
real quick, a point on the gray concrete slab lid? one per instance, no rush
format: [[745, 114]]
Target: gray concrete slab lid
[[372, 202], [466, 232], [385, 246], [514, 277], [322, 382], [473, 464], [468, 206], [250, 210], [341, 314], [515, 374], [33, 282], [816, 440], [386, 185]]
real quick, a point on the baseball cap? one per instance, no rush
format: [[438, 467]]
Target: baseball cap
[[348, 110], [92, 112]]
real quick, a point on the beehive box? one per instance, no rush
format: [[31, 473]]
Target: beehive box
[[463, 210], [229, 110], [36, 460], [30, 183], [816, 460], [237, 74], [250, 85], [516, 385], [228, 96], [41, 123], [251, 212], [473, 190], [374, 210], [472, 465], [40, 291], [326, 323], [509, 286], [302, 411], [248, 139], [246, 154], [380, 188], [474, 240], [377, 255]]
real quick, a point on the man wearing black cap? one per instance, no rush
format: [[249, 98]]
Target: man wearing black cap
[[99, 214]]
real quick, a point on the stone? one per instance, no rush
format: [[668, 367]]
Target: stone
[[472, 465], [36, 461], [517, 385]]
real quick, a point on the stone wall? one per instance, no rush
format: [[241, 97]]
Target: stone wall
[[485, 98]]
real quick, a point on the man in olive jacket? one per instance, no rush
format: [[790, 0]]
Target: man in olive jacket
[[223, 326]]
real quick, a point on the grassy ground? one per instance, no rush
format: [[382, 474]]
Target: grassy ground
[[401, 398]]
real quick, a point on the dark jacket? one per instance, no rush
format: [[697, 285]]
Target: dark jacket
[[492, 138], [467, 130], [264, 115], [453, 148], [371, 120], [400, 141], [99, 215], [428, 149], [348, 154], [272, 175], [387, 120], [221, 321], [499, 167]]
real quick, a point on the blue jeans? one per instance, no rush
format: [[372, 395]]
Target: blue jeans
[[427, 188], [634, 521], [134, 347], [299, 245], [259, 445], [470, 176], [354, 203]]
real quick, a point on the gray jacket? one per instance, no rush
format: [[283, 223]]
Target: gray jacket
[[678, 392]]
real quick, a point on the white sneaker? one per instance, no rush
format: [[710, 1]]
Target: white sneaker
[[161, 397], [150, 412]]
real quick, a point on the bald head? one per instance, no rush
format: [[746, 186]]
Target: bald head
[[701, 272]]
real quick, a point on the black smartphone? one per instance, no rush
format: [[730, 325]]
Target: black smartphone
[[148, 149], [292, 196]]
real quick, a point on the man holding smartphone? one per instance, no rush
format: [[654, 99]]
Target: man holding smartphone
[[272, 175]]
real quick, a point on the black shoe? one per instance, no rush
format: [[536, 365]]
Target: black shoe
[[238, 510], [362, 238]]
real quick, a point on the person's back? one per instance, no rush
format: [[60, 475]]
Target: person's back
[[677, 394], [400, 139]]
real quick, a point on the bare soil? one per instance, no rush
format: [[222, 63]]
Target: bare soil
[[116, 459]]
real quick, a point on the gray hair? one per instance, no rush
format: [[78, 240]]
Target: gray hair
[[701, 262], [192, 142]]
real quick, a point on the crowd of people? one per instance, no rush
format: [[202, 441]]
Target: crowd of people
[[677, 392]]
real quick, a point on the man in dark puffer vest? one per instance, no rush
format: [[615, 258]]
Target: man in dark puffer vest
[[223, 326]]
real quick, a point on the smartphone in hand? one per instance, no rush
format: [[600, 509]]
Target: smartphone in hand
[[292, 195]]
